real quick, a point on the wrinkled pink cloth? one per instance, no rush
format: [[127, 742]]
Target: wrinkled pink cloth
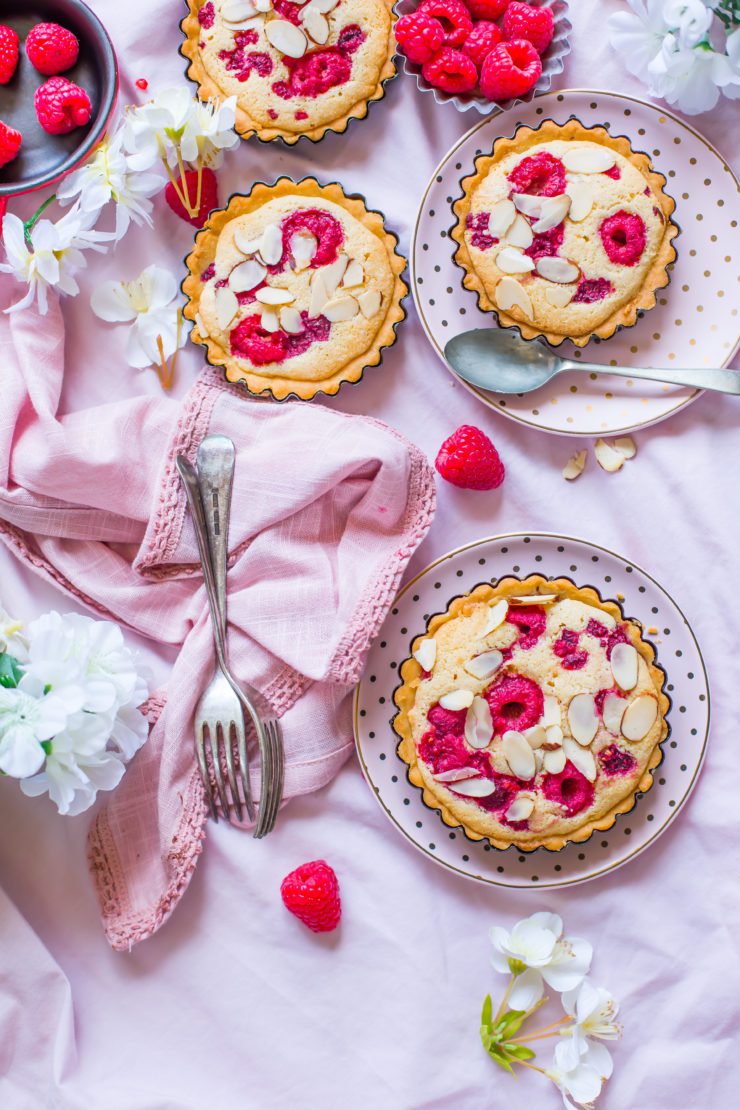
[[327, 510]]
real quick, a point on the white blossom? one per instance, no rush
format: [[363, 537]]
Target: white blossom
[[594, 1011], [538, 943], [580, 1081], [146, 305], [12, 639], [26, 722]]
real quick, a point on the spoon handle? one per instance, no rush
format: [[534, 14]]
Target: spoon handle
[[724, 381]]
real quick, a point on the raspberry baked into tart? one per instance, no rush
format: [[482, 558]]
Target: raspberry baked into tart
[[296, 68], [531, 713], [295, 288], [565, 232]]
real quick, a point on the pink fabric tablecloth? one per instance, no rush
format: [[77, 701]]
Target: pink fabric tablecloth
[[233, 1004]]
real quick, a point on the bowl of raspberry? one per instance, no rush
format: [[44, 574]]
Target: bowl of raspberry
[[58, 89], [485, 55]]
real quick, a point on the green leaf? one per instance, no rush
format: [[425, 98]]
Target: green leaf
[[500, 1058], [518, 1051], [10, 671], [47, 746], [511, 1022], [487, 1014]]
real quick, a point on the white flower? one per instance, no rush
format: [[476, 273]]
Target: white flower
[[732, 89], [26, 722], [594, 1010], [528, 989], [637, 36], [78, 765], [209, 131], [689, 78], [580, 1082], [155, 130], [146, 305], [690, 19], [12, 639], [55, 258], [106, 177], [538, 943]]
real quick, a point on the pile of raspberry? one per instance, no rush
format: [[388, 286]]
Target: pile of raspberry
[[61, 106], [492, 47]]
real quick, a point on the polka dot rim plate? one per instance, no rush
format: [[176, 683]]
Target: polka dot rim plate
[[696, 322], [642, 598]]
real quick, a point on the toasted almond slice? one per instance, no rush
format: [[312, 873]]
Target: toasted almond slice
[[316, 24], [520, 809], [334, 272], [581, 758], [495, 617], [271, 246], [554, 762], [554, 736], [354, 275], [518, 755], [370, 302], [612, 714], [263, 6], [484, 665], [227, 306], [303, 247], [244, 244], [553, 211], [323, 6], [533, 599], [551, 711], [237, 10], [201, 326], [560, 270], [457, 774], [502, 217], [625, 666], [474, 788], [520, 234], [457, 699], [478, 724], [509, 294], [583, 719], [426, 653], [558, 296], [639, 717], [539, 759], [286, 37], [527, 204], [513, 261], [270, 320], [588, 158], [575, 465], [626, 446], [535, 736], [271, 295], [581, 200], [246, 275], [291, 320], [607, 458], [341, 308], [319, 294]]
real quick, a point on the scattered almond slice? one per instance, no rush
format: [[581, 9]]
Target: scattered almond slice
[[607, 458], [551, 711], [495, 617], [286, 37], [303, 247], [340, 309], [554, 762], [554, 736], [520, 809], [583, 719], [237, 10], [560, 270], [509, 294], [201, 326], [270, 320], [246, 276], [527, 204], [319, 294], [474, 788], [245, 245], [271, 295], [535, 736], [271, 245], [457, 699], [533, 599], [316, 24], [354, 275], [291, 320], [539, 759], [426, 653], [581, 758], [512, 261], [478, 724], [263, 6], [626, 446], [334, 272], [612, 714], [575, 466], [639, 717], [625, 666], [323, 6], [502, 217], [520, 234], [457, 774], [226, 305], [589, 158], [484, 665], [581, 200], [369, 303], [518, 755], [558, 296], [553, 211]]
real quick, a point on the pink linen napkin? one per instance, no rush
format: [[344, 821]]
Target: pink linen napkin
[[327, 510]]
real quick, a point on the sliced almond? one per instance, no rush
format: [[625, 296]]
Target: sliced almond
[[533, 599], [607, 458], [581, 200], [316, 24], [612, 714], [236, 10], [526, 203], [323, 6], [518, 755], [560, 270], [520, 809], [551, 711], [639, 717], [303, 247], [484, 665], [286, 37], [513, 261], [502, 217], [539, 759], [535, 736], [554, 736], [270, 320], [575, 465], [271, 245], [457, 774], [426, 653], [263, 6], [588, 158], [201, 326], [583, 719], [625, 666], [581, 758], [319, 294], [626, 446], [553, 211], [495, 617], [510, 294], [227, 306], [478, 724], [271, 295], [340, 309], [291, 320], [246, 275], [457, 699], [369, 303], [554, 762], [334, 272], [474, 788], [520, 234], [558, 296], [246, 245], [354, 275]]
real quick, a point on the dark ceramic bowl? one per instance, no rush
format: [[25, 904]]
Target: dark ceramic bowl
[[44, 159]]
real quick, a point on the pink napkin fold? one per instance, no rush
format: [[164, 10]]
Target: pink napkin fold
[[327, 510]]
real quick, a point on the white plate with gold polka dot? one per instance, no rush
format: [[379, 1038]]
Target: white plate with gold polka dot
[[696, 321], [641, 598]]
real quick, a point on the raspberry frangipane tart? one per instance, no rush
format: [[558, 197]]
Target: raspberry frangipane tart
[[295, 68], [531, 713], [295, 288], [564, 232]]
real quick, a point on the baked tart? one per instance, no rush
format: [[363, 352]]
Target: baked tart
[[531, 713], [295, 288], [296, 69], [565, 232]]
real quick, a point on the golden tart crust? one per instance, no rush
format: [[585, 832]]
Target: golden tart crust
[[458, 637], [259, 110], [352, 345], [482, 275]]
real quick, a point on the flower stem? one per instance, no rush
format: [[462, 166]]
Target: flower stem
[[29, 225], [539, 1034], [186, 193], [502, 1005], [199, 195], [532, 1067]]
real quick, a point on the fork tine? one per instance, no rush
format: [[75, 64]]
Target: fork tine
[[273, 729], [200, 748], [265, 781], [213, 733], [241, 741], [227, 730]]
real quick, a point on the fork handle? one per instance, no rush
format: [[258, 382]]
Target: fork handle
[[216, 461]]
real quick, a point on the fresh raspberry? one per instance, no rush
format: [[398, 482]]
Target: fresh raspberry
[[469, 460], [311, 892], [616, 761], [540, 175], [61, 106], [445, 721], [208, 196], [486, 9], [566, 648], [3, 210], [51, 49], [450, 753], [624, 237], [454, 17], [570, 789], [451, 70], [142, 83], [523, 21], [251, 341], [481, 41], [10, 143], [8, 53], [477, 224], [591, 290], [516, 703], [510, 70], [546, 243], [607, 637], [420, 36], [531, 622]]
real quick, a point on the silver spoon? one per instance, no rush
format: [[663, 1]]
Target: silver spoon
[[498, 360]]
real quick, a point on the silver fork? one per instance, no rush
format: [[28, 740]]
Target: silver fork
[[267, 727]]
